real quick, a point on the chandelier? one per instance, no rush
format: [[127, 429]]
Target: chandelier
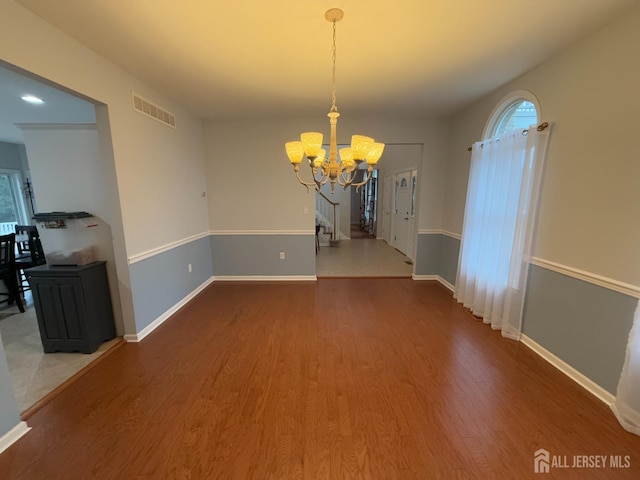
[[363, 149]]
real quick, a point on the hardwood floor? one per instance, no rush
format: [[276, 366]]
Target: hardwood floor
[[343, 378]]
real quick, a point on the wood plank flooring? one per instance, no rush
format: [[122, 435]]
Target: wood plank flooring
[[339, 379]]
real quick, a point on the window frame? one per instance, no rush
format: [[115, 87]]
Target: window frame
[[15, 183], [504, 105]]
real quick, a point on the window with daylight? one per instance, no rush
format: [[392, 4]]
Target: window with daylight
[[516, 116], [504, 181], [12, 206]]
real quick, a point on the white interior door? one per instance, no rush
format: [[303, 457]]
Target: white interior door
[[401, 211]]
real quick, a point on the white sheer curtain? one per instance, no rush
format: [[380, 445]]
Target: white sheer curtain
[[627, 403], [499, 220]]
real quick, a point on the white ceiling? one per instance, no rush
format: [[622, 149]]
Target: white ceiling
[[231, 59], [58, 106]]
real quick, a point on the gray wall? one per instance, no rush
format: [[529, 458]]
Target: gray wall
[[9, 413], [161, 281], [259, 255], [437, 254], [586, 325]]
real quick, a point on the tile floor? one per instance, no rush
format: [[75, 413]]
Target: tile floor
[[362, 258], [34, 374]]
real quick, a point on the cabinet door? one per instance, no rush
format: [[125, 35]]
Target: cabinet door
[[49, 313], [61, 312], [72, 305]]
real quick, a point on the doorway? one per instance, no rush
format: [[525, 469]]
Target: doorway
[[403, 211], [34, 141], [364, 208], [369, 256]]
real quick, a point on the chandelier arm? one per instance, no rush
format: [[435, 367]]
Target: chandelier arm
[[346, 178], [306, 184], [323, 178], [358, 185]]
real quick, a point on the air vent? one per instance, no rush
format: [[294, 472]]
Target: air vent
[[149, 109]]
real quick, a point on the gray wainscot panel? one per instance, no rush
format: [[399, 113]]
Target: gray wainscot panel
[[437, 254], [9, 412], [449, 252], [585, 325], [161, 281], [259, 255], [428, 254]]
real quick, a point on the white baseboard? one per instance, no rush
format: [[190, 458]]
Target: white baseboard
[[264, 278], [13, 435], [569, 371], [437, 278], [162, 318]]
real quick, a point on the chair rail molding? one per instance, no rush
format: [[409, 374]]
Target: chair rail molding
[[439, 231], [138, 257], [600, 280], [262, 232]]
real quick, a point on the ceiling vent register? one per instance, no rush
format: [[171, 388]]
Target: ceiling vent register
[[149, 109]]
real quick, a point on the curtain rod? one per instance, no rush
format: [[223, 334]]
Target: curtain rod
[[539, 128]]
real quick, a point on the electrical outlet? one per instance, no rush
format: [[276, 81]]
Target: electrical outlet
[[281, 255], [306, 210], [190, 268]]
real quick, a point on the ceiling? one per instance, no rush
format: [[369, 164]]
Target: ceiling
[[58, 106], [227, 59]]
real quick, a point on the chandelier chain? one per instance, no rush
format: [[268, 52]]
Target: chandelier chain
[[333, 78]]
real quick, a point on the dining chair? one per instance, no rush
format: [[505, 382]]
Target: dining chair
[[29, 253], [8, 272]]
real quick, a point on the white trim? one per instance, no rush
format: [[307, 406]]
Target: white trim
[[569, 371], [439, 231], [264, 278], [13, 435], [138, 257], [506, 102], [134, 338], [437, 278], [262, 232], [56, 126], [610, 283]]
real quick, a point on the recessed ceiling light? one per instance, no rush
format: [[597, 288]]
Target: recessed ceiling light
[[32, 99]]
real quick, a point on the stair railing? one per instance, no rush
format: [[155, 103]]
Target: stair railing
[[329, 210]]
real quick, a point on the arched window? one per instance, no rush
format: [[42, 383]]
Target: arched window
[[517, 111]]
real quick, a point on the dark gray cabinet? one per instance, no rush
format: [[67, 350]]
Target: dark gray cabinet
[[73, 306]]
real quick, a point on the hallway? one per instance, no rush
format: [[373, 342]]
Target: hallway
[[365, 257]]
